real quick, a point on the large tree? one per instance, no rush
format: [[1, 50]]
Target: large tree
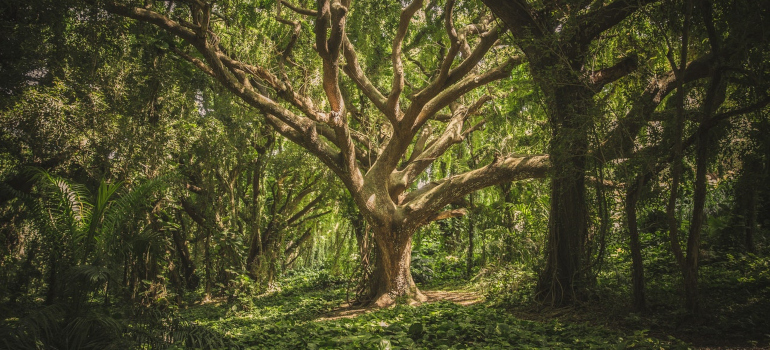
[[557, 38], [377, 135]]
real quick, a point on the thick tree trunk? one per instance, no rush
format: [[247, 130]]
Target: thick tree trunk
[[391, 278], [562, 280]]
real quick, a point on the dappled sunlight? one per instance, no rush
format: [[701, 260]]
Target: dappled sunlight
[[348, 310]]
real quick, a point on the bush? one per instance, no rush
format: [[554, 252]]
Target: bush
[[507, 284]]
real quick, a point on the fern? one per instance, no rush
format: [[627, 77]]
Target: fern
[[155, 329], [61, 327]]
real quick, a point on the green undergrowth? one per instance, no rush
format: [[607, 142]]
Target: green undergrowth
[[295, 315], [441, 325], [292, 319]]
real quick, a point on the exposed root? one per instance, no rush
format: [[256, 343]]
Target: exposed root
[[351, 311], [386, 300]]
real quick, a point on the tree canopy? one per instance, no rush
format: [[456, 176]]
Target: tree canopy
[[153, 150]]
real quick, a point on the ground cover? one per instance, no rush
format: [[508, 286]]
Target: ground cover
[[315, 316]]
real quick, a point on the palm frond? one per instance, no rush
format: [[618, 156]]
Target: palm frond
[[102, 203], [66, 204], [131, 203], [93, 275]]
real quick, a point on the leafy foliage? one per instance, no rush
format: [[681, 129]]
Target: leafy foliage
[[151, 182], [289, 319]]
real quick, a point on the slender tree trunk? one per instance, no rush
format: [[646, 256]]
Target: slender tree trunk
[[25, 273], [188, 266], [391, 278], [255, 251], [52, 292], [676, 167], [693, 241], [751, 222], [471, 216], [255, 248], [483, 248], [471, 234], [134, 277], [604, 226], [508, 221], [747, 197], [207, 263], [637, 275]]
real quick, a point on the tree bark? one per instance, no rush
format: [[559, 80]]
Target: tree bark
[[693, 241], [207, 263], [563, 278], [188, 266], [391, 278], [747, 200], [52, 292], [637, 267], [471, 234], [751, 222]]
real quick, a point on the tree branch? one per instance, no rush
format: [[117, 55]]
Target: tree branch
[[453, 213], [620, 141], [452, 134], [299, 10], [596, 22], [307, 208], [353, 70], [425, 201], [605, 76], [397, 85], [454, 92], [517, 15]]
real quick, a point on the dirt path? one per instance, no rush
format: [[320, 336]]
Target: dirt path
[[457, 297]]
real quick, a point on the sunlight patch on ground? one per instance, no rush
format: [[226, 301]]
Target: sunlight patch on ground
[[347, 310]]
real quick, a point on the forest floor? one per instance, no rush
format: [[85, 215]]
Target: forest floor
[[459, 297], [311, 310], [313, 314]]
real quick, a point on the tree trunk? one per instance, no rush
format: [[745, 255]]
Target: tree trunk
[[188, 266], [207, 264], [52, 293], [693, 241], [471, 234], [637, 275], [255, 251], [509, 222], [562, 280], [751, 222], [20, 285], [747, 197], [391, 278]]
